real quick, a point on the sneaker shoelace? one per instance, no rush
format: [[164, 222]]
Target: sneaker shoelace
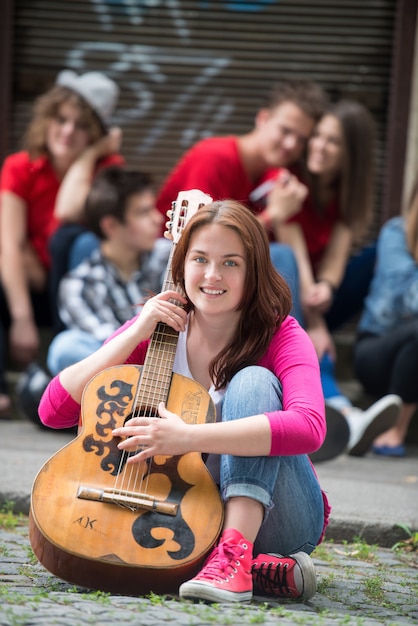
[[272, 578], [222, 562]]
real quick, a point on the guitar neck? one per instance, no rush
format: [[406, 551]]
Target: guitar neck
[[159, 361], [158, 366]]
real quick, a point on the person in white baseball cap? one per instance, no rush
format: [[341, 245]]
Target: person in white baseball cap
[[43, 189], [98, 95]]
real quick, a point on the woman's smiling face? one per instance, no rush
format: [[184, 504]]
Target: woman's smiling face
[[215, 270], [325, 148]]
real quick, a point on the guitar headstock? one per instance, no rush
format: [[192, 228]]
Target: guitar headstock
[[183, 208]]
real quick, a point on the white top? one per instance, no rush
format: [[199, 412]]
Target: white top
[[181, 366]]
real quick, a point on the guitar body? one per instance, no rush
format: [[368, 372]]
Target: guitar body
[[121, 546]]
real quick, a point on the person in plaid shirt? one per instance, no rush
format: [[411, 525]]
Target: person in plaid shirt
[[109, 287]]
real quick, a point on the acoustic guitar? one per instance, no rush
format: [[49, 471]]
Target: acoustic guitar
[[98, 522]]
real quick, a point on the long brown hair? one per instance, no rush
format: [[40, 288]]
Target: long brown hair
[[266, 300], [411, 219], [46, 108], [355, 186]]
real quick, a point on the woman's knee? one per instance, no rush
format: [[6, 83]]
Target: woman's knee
[[252, 390], [252, 377]]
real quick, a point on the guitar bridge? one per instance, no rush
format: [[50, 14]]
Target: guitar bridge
[[129, 499]]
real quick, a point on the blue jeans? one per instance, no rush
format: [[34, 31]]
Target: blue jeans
[[388, 363], [333, 394], [351, 293], [68, 347], [285, 485], [284, 261]]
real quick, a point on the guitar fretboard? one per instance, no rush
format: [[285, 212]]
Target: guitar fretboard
[[158, 367]]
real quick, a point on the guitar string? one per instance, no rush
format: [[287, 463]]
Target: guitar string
[[133, 478], [130, 478]]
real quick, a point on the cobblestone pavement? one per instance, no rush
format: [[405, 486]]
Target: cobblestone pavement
[[357, 585]]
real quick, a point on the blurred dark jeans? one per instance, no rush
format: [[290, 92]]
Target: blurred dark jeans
[[349, 298]]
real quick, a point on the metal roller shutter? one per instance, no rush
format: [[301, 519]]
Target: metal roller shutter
[[192, 69]]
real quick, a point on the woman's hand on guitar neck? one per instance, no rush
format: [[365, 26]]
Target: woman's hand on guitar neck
[[151, 436], [160, 308], [157, 309]]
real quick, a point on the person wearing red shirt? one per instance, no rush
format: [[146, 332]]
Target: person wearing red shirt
[[66, 141], [236, 167], [333, 219]]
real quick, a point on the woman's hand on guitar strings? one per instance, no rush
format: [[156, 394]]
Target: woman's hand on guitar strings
[[160, 308], [167, 435]]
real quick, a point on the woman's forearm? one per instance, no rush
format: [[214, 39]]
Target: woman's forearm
[[74, 188]]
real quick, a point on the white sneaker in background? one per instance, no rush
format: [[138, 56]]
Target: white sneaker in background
[[337, 437], [366, 425]]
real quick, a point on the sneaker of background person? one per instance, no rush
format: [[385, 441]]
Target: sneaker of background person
[[226, 575], [352, 430], [290, 576], [365, 426]]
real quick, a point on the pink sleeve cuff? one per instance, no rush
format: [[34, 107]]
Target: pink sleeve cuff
[[57, 409]]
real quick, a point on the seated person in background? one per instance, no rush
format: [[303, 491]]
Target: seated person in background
[[333, 282], [234, 166], [67, 128], [386, 350], [72, 242], [106, 289]]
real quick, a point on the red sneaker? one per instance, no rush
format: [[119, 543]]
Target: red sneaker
[[226, 575], [290, 576]]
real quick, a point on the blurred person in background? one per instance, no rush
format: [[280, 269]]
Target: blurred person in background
[[112, 284], [335, 269], [386, 349], [67, 140], [237, 166]]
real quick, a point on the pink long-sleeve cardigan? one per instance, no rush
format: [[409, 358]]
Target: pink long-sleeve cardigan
[[298, 428]]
